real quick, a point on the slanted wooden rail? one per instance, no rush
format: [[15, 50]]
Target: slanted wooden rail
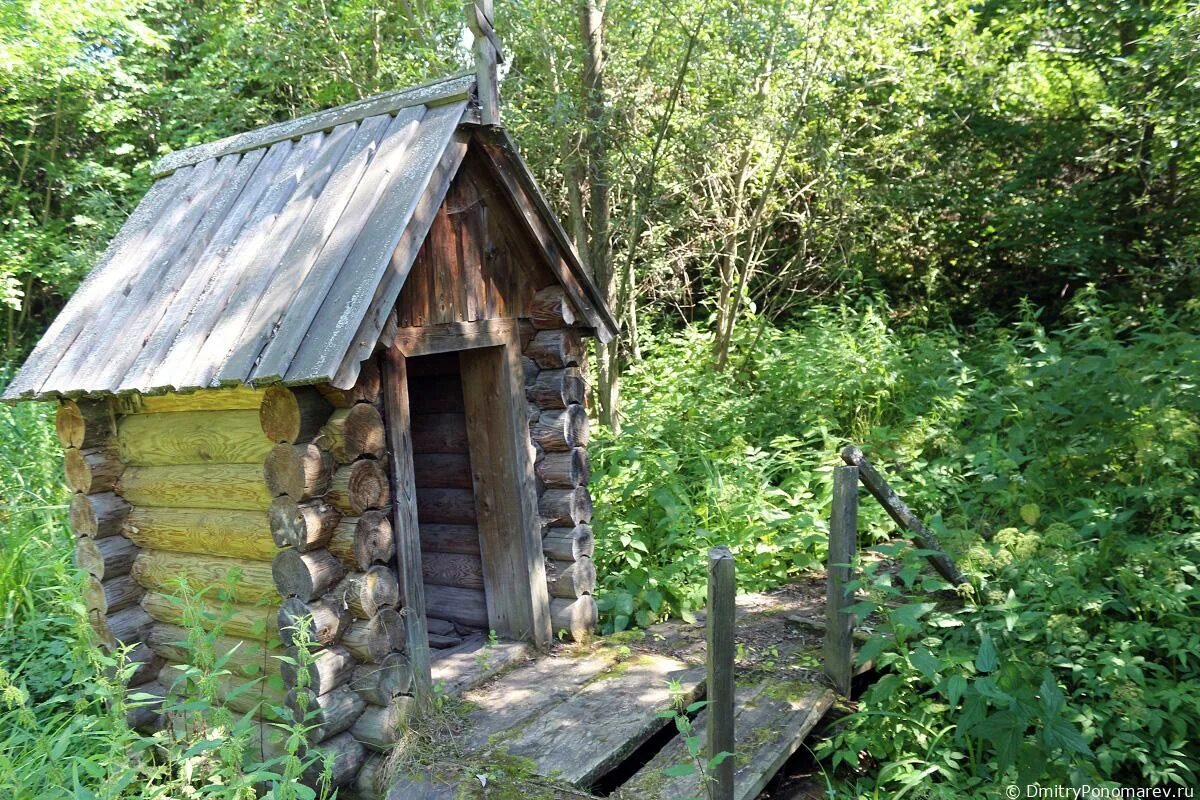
[[843, 532]]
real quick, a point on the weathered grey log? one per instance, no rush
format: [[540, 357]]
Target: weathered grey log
[[525, 333], [110, 557], [571, 579], [452, 569], [259, 696], [529, 370], [126, 626], [299, 471], [439, 433], [563, 507], [843, 536], [323, 671], [146, 663], [111, 595], [322, 622], [359, 487], [442, 627], [367, 593], [381, 726], [363, 432], [439, 538], [561, 430], [720, 652], [564, 470], [551, 309], [144, 710], [97, 515], [380, 683], [329, 714], [446, 506], [576, 618], [85, 423], [555, 349], [332, 436], [557, 388], [92, 470], [362, 541], [343, 754], [304, 526], [898, 511], [569, 544], [372, 639], [293, 415], [442, 470], [465, 606], [306, 575]]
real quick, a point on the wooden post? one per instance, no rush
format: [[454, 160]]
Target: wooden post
[[843, 535], [722, 586], [487, 59], [406, 531]]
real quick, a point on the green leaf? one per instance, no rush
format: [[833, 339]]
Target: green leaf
[[985, 659], [679, 770], [956, 685]]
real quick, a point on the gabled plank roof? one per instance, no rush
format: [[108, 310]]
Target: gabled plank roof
[[270, 256]]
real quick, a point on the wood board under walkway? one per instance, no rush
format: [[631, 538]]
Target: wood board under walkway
[[554, 726]]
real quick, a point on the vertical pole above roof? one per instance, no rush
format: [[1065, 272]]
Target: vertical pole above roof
[[488, 56]]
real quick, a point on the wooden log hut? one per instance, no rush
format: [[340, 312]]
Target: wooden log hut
[[330, 376]]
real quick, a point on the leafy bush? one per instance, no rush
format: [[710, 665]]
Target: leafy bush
[[1061, 469]]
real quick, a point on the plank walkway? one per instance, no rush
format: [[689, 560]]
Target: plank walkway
[[565, 720]]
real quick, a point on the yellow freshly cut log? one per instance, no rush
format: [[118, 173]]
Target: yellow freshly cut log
[[162, 571], [259, 623], [305, 526], [263, 696], [300, 471], [236, 534], [239, 398], [250, 659], [359, 487], [362, 541], [192, 437], [332, 436], [305, 575], [380, 727], [229, 486]]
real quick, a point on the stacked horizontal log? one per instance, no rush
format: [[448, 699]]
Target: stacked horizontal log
[[87, 430], [555, 388], [197, 517], [330, 497], [451, 561]]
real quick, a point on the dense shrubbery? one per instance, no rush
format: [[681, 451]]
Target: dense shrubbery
[[1062, 469]]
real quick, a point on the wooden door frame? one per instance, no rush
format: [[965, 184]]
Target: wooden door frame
[[510, 529]]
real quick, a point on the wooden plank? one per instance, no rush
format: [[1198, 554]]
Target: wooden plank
[[720, 652], [453, 336], [235, 329], [843, 539], [526, 693], [350, 297], [452, 569], [368, 316], [450, 539], [596, 728], [297, 311], [192, 437], [475, 662], [404, 522], [773, 719], [94, 290], [78, 369], [443, 90], [502, 470], [291, 272], [181, 367], [196, 279]]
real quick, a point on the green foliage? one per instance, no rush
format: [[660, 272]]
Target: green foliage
[[1059, 468]]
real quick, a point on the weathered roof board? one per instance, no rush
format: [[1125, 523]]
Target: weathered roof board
[[274, 255]]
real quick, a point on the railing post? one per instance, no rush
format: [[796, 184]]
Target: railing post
[[722, 587], [843, 536]]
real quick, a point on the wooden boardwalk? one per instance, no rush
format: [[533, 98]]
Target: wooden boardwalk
[[551, 728]]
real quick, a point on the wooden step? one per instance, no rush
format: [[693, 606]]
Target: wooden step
[[600, 723], [772, 719], [475, 662]]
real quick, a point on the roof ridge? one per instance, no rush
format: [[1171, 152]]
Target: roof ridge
[[435, 92]]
